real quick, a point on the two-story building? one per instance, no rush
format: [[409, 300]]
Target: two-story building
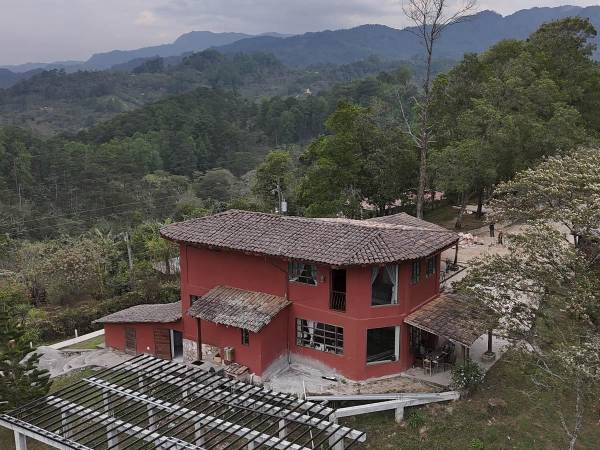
[[274, 288]]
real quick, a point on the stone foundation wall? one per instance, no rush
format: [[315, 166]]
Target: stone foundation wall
[[190, 351]]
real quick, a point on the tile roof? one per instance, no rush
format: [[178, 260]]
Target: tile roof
[[338, 242], [238, 308], [451, 316], [161, 313]]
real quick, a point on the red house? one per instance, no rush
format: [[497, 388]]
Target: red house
[[263, 289]]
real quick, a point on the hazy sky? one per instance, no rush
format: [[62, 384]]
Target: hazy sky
[[51, 30]]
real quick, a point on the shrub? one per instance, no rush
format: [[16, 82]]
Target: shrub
[[477, 444], [62, 323], [467, 375], [415, 419]]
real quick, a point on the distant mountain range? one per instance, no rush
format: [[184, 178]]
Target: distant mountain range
[[343, 46], [337, 47], [186, 43]]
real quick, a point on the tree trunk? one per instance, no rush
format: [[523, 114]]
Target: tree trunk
[[424, 140], [480, 204], [461, 212]]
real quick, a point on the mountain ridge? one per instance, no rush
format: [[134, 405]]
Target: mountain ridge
[[341, 46]]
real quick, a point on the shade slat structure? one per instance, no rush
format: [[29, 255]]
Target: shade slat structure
[[149, 403]]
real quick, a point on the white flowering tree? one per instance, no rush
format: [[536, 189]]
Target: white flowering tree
[[545, 292]]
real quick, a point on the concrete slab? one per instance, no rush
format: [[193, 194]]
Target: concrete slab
[[301, 377], [59, 362]]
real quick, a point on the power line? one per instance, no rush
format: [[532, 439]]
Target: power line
[[77, 222], [85, 211]]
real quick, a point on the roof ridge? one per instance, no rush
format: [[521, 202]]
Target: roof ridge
[[362, 223]]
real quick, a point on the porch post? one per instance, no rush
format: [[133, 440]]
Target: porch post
[[20, 441], [149, 410], [111, 436], [199, 338], [340, 444], [489, 350], [65, 425], [198, 434], [456, 255], [399, 414], [282, 429]]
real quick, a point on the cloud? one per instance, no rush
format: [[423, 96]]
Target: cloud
[[257, 16], [146, 18]]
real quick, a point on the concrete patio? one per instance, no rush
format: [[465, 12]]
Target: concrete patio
[[479, 347]]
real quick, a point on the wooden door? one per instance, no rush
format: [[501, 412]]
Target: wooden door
[[130, 341], [162, 343]]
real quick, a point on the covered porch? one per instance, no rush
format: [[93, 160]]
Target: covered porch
[[447, 331], [240, 329]]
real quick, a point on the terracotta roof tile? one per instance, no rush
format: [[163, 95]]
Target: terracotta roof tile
[[338, 242], [451, 316], [161, 313], [238, 308]]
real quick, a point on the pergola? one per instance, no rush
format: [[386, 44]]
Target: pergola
[[149, 403]]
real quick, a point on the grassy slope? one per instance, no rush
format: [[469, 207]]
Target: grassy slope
[[529, 422], [90, 344]]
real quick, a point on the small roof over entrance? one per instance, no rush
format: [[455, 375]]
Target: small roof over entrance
[[148, 403], [157, 313], [451, 316], [238, 308]]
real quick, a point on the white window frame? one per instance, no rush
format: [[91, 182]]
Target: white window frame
[[396, 346], [395, 286], [295, 277]]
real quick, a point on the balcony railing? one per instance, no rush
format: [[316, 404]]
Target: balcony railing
[[337, 301]]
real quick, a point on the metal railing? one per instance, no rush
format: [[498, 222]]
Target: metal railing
[[337, 301]]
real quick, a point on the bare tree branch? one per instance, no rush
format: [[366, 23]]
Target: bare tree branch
[[430, 19]]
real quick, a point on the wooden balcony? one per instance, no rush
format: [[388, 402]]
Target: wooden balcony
[[337, 301]]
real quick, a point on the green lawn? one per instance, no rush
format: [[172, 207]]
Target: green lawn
[[89, 344], [529, 422]]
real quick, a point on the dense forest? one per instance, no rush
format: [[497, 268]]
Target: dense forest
[[54, 101]]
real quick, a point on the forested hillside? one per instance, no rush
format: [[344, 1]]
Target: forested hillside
[[182, 153], [55, 101]]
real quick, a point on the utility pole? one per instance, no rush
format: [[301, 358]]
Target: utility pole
[[281, 199]]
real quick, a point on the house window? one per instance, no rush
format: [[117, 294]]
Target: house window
[[320, 336], [416, 272], [245, 336], [383, 345], [384, 285], [194, 299], [430, 266], [303, 273]]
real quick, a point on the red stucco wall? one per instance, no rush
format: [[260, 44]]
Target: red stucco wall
[[204, 269], [114, 335]]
